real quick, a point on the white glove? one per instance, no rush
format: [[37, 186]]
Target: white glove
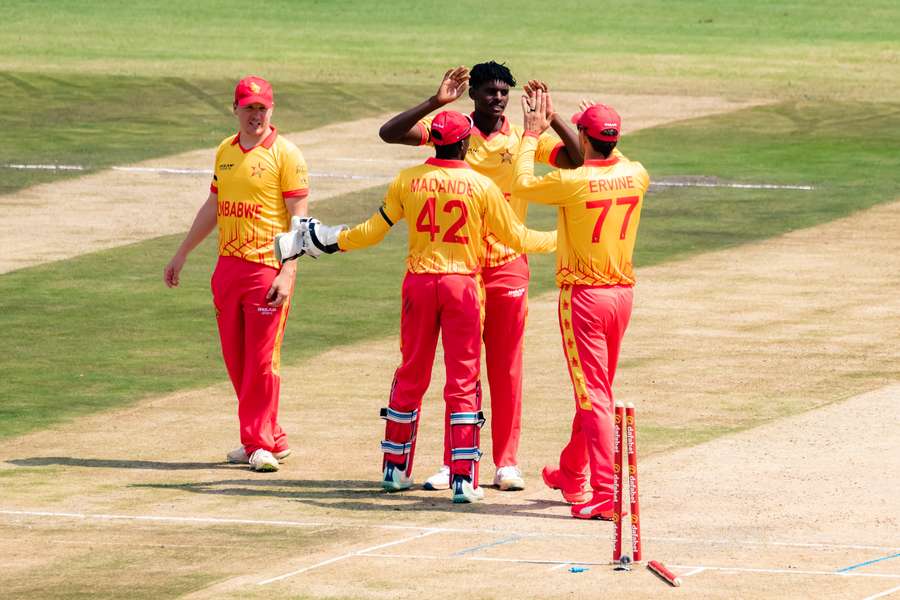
[[289, 246], [321, 239]]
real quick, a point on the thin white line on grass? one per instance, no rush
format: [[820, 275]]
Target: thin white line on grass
[[739, 186], [884, 593], [350, 555], [531, 534], [189, 171]]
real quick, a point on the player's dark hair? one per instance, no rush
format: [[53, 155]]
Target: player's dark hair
[[490, 71], [601, 147], [450, 151]]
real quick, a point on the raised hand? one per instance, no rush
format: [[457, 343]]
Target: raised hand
[[454, 83], [534, 108]]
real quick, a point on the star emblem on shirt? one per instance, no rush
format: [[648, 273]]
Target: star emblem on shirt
[[258, 171], [506, 157]]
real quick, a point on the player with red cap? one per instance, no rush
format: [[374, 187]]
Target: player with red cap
[[448, 206], [505, 271], [260, 181], [599, 212]]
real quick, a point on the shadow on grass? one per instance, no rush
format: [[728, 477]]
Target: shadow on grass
[[110, 463], [366, 496]]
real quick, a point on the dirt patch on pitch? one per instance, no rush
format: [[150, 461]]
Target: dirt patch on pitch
[[117, 207], [728, 339]]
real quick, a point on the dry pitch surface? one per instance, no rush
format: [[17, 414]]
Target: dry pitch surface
[[137, 501]]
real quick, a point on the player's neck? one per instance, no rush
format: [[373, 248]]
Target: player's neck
[[487, 124], [249, 140]]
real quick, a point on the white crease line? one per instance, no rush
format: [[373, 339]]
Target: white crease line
[[559, 566], [692, 572], [788, 571], [529, 534], [883, 594], [349, 555], [530, 561]]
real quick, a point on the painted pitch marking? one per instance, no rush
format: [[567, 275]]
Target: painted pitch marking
[[349, 555], [696, 571], [868, 562], [522, 534], [883, 594], [512, 538]]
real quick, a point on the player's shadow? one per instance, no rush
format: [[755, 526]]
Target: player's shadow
[[366, 496], [112, 463]]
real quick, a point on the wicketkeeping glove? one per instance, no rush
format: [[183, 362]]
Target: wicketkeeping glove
[[289, 246], [321, 239]]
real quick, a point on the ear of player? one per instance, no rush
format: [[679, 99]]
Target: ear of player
[[307, 237]]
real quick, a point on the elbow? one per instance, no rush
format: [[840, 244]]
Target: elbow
[[386, 135]]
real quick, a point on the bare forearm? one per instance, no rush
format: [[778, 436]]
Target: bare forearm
[[204, 223], [570, 156], [400, 129]]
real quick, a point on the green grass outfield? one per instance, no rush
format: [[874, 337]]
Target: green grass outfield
[[93, 84]]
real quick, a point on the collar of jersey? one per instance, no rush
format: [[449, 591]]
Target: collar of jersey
[[266, 143], [601, 162], [448, 163], [504, 129]]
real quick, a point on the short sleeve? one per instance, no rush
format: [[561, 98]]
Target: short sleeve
[[294, 174], [547, 149], [425, 130]]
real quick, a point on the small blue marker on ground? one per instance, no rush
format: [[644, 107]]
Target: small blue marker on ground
[[578, 569]]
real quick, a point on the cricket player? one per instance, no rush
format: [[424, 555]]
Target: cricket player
[[448, 207], [505, 272], [260, 181], [599, 213]]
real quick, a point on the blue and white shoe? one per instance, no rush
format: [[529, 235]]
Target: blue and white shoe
[[395, 479], [464, 491]]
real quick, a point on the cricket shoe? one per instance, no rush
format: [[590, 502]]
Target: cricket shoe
[[600, 506], [509, 479], [464, 491], [438, 481], [553, 479], [238, 456], [263, 461], [395, 478]]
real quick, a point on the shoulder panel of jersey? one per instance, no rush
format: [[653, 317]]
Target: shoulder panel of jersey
[[598, 226], [252, 185]]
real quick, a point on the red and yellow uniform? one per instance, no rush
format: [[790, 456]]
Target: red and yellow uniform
[[505, 277], [599, 213], [448, 207], [251, 186]]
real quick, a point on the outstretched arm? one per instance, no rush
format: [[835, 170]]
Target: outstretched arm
[[402, 129], [204, 223]]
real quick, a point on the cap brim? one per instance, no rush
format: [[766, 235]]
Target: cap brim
[[576, 117], [255, 99]]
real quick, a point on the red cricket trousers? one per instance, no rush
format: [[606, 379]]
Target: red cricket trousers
[[505, 311], [251, 332], [449, 305], [592, 321]]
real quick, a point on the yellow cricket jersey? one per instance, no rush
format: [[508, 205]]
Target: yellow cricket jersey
[[599, 213], [251, 186], [493, 155], [448, 207]]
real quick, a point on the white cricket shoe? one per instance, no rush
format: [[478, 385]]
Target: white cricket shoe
[[464, 491], [438, 481], [238, 456], [263, 461], [395, 479], [509, 479]]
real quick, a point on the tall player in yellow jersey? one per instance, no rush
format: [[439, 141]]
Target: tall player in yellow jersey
[[448, 207], [599, 212], [492, 148], [260, 181]]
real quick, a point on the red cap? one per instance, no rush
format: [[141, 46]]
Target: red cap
[[449, 127], [600, 121], [253, 89]]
